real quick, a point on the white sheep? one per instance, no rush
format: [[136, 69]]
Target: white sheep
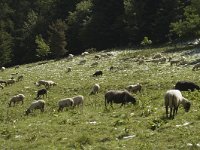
[[172, 99], [68, 102], [41, 82], [134, 88], [70, 56], [50, 83], [17, 98], [78, 100], [39, 104], [95, 89], [196, 66], [85, 53], [3, 68]]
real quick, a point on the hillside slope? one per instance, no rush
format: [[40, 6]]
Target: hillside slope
[[140, 126]]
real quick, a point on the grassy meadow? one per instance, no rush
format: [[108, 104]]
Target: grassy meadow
[[140, 126]]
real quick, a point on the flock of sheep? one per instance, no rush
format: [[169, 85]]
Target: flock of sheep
[[172, 99]]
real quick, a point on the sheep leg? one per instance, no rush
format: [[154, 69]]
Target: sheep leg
[[176, 110], [170, 112], [167, 111]]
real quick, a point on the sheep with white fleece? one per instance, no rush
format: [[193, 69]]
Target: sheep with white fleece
[[78, 100], [67, 102], [39, 104], [95, 89], [134, 88], [172, 99], [16, 98]]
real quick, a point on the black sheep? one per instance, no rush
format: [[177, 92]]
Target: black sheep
[[122, 97], [186, 86], [41, 92], [97, 73]]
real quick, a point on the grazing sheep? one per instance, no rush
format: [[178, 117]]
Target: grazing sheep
[[68, 102], [3, 68], [36, 105], [172, 99], [97, 56], [20, 78], [134, 88], [70, 56], [95, 89], [3, 82], [122, 97], [50, 83], [41, 82], [175, 61], [41, 92], [78, 100], [82, 62], [97, 73], [196, 66], [111, 68], [94, 64], [85, 53], [16, 67], [157, 56], [186, 86], [10, 81], [69, 69], [17, 98], [141, 61]]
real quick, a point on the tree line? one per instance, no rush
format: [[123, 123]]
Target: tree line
[[50, 29]]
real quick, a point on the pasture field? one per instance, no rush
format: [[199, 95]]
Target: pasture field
[[139, 126]]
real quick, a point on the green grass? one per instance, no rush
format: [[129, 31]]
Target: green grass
[[95, 127]]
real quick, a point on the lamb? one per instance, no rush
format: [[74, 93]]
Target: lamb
[[134, 88], [78, 100], [95, 89], [196, 66], [122, 97], [68, 102], [172, 99], [17, 98], [41, 92], [36, 105], [186, 86], [97, 73]]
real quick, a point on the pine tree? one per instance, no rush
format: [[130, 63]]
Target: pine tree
[[57, 39]]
